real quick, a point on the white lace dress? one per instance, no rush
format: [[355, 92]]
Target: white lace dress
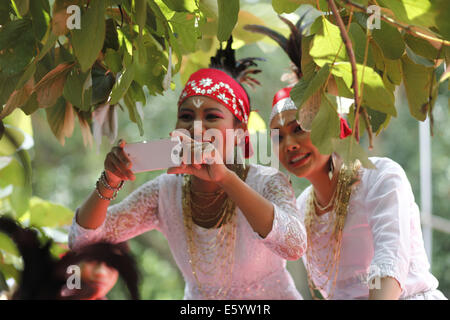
[[382, 237], [259, 263]]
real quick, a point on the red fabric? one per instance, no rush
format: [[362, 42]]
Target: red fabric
[[220, 86], [280, 95], [345, 129], [223, 88]]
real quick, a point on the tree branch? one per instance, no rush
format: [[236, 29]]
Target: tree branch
[[405, 27], [351, 55]]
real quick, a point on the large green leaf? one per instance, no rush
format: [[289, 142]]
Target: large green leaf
[[359, 40], [417, 79], [47, 214], [228, 17], [37, 11], [7, 245], [325, 126], [327, 45], [304, 90], [12, 174], [421, 47], [418, 12], [289, 6], [88, 41], [184, 27], [390, 40], [375, 94]]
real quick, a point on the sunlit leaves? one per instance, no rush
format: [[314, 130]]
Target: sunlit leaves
[[327, 45], [47, 214]]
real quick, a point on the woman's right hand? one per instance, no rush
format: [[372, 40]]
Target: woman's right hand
[[118, 165]]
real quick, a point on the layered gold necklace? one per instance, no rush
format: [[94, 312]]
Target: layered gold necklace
[[211, 255], [325, 270]]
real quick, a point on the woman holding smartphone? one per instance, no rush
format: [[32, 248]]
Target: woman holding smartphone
[[230, 228], [363, 225]]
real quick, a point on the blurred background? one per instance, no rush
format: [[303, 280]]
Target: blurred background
[[67, 175]]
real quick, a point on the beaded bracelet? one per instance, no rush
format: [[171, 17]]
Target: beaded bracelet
[[102, 196], [105, 183]]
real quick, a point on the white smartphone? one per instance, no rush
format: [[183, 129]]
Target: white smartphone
[[154, 155]]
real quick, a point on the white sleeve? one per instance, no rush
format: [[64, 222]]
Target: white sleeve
[[389, 201], [288, 236], [137, 213]]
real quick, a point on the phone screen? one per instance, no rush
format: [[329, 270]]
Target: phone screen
[[153, 155]]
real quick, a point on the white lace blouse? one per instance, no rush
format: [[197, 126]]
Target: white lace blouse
[[259, 263], [382, 237]]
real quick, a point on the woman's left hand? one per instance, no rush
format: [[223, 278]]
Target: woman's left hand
[[209, 165]]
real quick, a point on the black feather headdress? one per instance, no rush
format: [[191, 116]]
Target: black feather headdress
[[44, 277], [292, 45], [225, 60]]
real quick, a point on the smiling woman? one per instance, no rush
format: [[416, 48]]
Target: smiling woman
[[230, 227]]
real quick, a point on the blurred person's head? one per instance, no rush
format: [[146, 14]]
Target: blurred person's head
[[99, 276]]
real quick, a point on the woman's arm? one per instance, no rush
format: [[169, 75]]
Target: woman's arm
[[389, 289], [92, 212], [258, 210]]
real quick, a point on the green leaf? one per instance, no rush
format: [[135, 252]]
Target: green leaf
[[350, 150], [17, 46], [325, 126], [377, 119], [78, 89], [184, 27], [228, 16], [418, 59], [37, 11], [308, 65], [113, 60], [390, 40], [47, 214], [359, 40], [421, 47], [304, 90], [417, 79], [393, 70], [7, 245], [375, 94], [289, 6], [13, 174], [122, 84], [181, 5], [23, 6], [12, 139], [88, 41], [49, 44], [412, 11], [327, 44]]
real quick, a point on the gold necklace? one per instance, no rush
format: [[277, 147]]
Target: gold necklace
[[221, 245], [327, 269]]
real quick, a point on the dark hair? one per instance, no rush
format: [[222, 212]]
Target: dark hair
[[240, 70], [44, 277], [292, 45]]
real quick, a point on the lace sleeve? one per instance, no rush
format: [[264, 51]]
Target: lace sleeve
[[137, 213], [389, 203], [288, 236]]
